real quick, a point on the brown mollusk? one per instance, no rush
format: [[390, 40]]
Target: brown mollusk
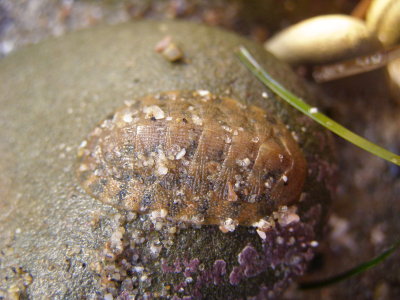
[[193, 156]]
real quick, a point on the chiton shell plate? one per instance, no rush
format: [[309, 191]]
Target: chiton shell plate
[[193, 156]]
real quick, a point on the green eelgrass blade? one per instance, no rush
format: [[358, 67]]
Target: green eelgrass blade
[[354, 271], [312, 112], [335, 127]]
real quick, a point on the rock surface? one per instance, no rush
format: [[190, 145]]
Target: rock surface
[[59, 242]]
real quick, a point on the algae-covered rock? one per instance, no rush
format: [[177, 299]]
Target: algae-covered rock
[[59, 242]]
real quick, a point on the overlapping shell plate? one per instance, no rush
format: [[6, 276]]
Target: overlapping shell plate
[[193, 156]]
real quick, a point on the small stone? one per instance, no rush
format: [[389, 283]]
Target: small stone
[[153, 111], [243, 162], [197, 120], [231, 193], [180, 154], [172, 230], [189, 280], [255, 139], [229, 225], [292, 217], [264, 225], [127, 118], [203, 93], [162, 170], [169, 50], [108, 297], [162, 213], [280, 240], [262, 234], [131, 216]]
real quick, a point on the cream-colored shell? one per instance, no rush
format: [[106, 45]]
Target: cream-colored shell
[[323, 39], [383, 18]]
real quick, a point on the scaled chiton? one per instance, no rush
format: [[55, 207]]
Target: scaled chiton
[[193, 156]]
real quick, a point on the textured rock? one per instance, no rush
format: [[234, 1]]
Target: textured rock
[[59, 242]]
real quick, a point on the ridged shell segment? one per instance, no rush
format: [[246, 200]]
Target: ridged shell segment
[[193, 156]]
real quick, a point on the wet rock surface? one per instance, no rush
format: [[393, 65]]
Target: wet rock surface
[[59, 242]]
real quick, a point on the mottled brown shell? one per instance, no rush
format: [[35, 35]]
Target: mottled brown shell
[[195, 157]]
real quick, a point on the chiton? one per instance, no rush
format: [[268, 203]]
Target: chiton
[[193, 156]]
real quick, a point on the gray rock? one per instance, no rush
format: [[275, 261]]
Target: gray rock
[[56, 241]]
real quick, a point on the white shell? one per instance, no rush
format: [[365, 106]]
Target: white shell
[[383, 18], [323, 39]]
